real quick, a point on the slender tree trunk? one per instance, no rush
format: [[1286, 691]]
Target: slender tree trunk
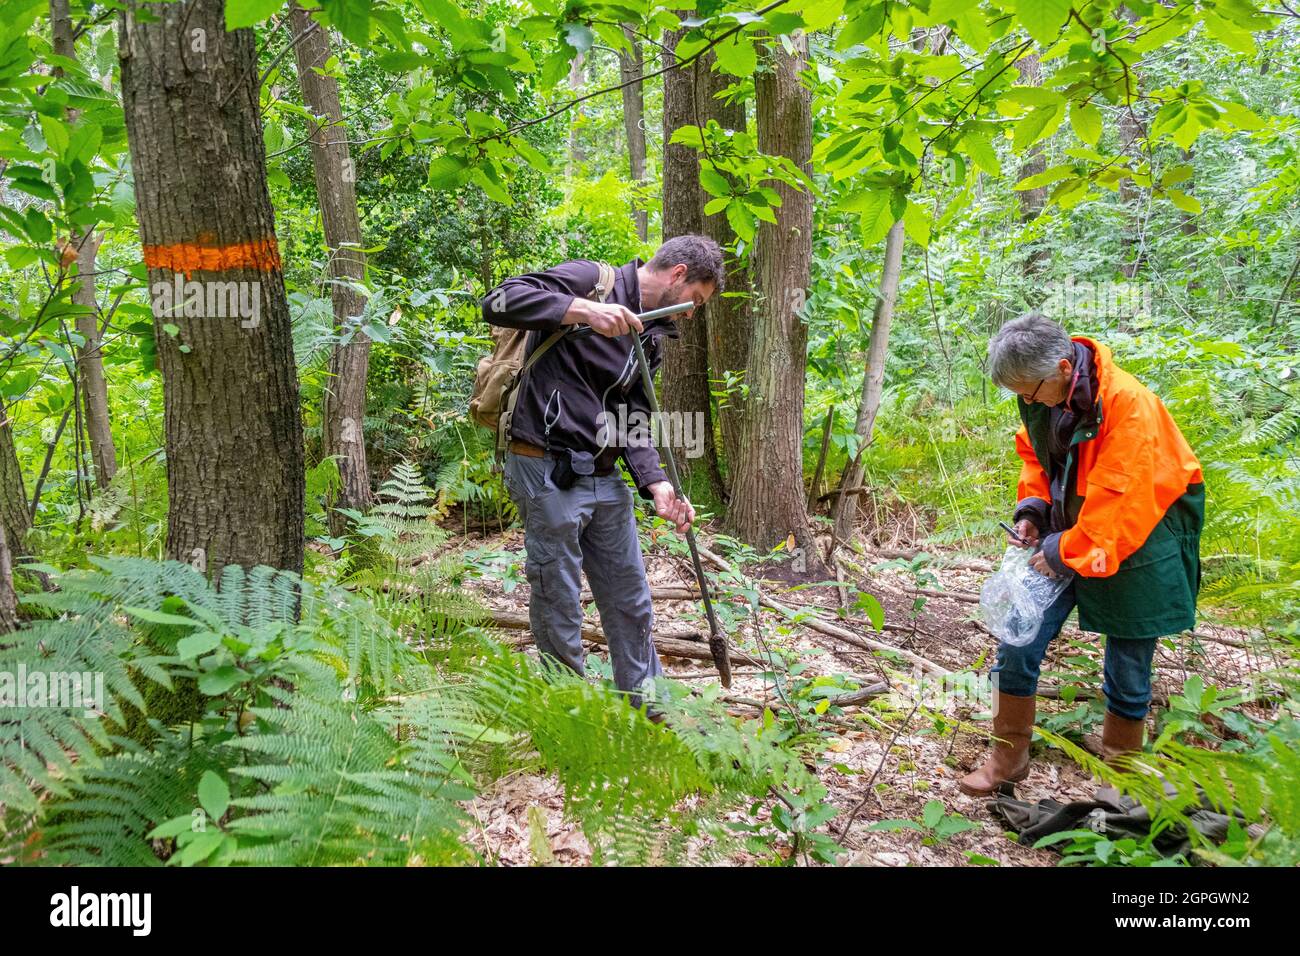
[[344, 404], [848, 503], [233, 427], [1132, 138], [90, 361], [1188, 225], [577, 79], [685, 375], [8, 599], [1130, 195], [728, 317], [1032, 200], [767, 499], [14, 514], [632, 65]]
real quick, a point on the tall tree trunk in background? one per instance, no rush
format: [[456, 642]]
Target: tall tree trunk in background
[[685, 371], [343, 408], [1188, 225], [233, 427], [1032, 200], [577, 80], [14, 514], [1130, 194], [90, 361], [1132, 139], [767, 493], [728, 318], [631, 65], [848, 502]]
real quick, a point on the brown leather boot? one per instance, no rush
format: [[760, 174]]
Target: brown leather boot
[[1013, 723], [1118, 736]]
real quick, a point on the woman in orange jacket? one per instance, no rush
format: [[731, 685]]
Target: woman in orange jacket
[[1111, 497]]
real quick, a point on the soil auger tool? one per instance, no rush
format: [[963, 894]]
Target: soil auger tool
[[717, 640]]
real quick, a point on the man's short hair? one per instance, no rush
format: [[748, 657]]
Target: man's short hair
[[701, 256]]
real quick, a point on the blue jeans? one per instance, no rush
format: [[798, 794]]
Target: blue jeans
[[1127, 672]]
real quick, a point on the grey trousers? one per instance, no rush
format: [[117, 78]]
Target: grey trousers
[[589, 527]]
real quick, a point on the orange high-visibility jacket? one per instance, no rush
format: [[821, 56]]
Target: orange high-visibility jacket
[[1136, 466]]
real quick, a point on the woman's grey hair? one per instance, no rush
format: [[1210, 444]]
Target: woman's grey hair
[[1027, 349]]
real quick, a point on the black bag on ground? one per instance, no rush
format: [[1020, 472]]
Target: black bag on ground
[[1111, 815]]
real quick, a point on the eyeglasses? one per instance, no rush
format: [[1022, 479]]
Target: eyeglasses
[[1030, 399]]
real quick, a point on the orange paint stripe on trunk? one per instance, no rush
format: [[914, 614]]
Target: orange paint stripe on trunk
[[188, 258]]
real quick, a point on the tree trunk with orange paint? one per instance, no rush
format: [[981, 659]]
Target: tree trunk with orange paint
[[233, 428], [344, 406]]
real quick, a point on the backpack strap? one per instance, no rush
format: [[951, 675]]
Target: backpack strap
[[604, 287], [600, 292], [512, 390]]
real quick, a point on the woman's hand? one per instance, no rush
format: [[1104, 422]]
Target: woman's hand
[[1028, 532], [1039, 563]]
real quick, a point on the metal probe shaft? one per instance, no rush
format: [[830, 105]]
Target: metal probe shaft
[[717, 641]]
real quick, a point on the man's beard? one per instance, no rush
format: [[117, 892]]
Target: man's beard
[[673, 295]]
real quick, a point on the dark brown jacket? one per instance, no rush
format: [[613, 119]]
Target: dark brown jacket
[[562, 397]]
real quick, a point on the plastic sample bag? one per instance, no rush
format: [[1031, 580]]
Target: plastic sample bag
[[1014, 599]]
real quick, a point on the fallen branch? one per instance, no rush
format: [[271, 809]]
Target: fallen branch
[[831, 630], [671, 593], [851, 699], [968, 597], [690, 644], [1215, 639]]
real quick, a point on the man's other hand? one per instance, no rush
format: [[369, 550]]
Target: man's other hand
[[604, 318], [672, 508], [1028, 532]]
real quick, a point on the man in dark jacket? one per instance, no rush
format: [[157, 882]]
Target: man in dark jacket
[[568, 433]]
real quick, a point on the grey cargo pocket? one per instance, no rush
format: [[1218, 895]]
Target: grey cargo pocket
[[529, 477]]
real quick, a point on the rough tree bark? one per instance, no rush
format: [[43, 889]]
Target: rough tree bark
[[233, 429], [8, 599], [343, 406], [631, 65], [728, 319], [90, 362], [684, 379], [847, 502], [14, 515], [767, 497]]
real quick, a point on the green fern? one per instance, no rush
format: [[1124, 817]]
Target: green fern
[[114, 806], [339, 787], [624, 777], [401, 525]]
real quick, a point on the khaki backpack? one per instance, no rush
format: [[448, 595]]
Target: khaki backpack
[[497, 378]]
